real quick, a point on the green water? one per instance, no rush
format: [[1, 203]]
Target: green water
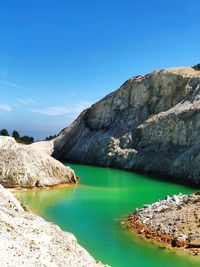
[[93, 209]]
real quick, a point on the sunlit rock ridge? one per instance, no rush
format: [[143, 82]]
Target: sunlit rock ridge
[[151, 123]]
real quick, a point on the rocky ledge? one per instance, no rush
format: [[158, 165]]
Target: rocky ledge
[[151, 123], [28, 166], [28, 240], [174, 222]]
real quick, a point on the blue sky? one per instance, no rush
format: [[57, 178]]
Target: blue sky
[[57, 57]]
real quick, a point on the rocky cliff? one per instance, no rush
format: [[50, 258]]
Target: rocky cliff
[[30, 165], [28, 240], [151, 123]]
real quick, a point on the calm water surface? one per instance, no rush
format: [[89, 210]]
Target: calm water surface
[[92, 210]]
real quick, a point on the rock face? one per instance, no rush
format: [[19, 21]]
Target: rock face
[[29, 166], [174, 221], [28, 240], [151, 123]]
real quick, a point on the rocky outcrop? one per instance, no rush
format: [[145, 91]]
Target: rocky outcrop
[[28, 240], [151, 123], [45, 146], [174, 222], [30, 166]]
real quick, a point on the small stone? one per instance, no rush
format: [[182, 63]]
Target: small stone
[[179, 242]]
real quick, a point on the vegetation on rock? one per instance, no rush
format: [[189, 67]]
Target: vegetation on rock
[[20, 139], [4, 132], [50, 137]]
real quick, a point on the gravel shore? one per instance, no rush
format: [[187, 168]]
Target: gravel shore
[[174, 222]]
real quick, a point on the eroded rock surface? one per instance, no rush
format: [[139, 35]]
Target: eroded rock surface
[[28, 240], [29, 166], [151, 123]]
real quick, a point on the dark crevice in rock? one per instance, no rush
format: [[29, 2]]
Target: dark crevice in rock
[[37, 184]]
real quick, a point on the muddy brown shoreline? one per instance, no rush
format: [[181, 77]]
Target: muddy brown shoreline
[[181, 243]]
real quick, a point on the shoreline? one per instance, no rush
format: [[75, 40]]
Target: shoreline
[[30, 240], [49, 187], [162, 240], [150, 174], [135, 225], [153, 226]]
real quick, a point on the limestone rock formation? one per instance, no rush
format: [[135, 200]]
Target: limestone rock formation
[[28, 240], [46, 146], [151, 123], [29, 166]]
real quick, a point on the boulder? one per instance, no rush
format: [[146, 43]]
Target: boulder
[[28, 166], [179, 241]]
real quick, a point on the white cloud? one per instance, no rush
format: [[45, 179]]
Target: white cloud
[[5, 107], [50, 111], [25, 101], [14, 85], [22, 101], [57, 111]]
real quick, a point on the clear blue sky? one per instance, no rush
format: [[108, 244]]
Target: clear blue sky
[[59, 56]]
